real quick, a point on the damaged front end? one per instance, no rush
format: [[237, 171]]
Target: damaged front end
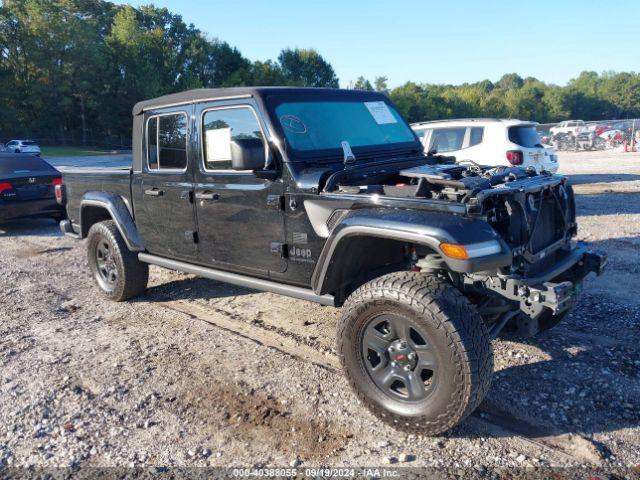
[[534, 270], [535, 216]]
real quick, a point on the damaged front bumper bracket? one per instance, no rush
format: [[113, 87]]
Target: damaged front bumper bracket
[[540, 293]]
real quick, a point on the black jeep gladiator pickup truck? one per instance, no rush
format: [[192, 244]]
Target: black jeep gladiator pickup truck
[[327, 196]]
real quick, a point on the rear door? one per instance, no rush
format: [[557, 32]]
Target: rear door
[[166, 219], [448, 141], [240, 216]]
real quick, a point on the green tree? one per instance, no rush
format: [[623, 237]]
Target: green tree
[[306, 68], [622, 90], [510, 81], [266, 73], [362, 84], [380, 84]]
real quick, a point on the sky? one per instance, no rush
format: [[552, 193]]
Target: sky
[[427, 41]]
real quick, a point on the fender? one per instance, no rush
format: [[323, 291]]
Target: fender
[[119, 213], [420, 227]]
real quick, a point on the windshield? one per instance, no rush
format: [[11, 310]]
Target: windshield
[[525, 136], [310, 126]]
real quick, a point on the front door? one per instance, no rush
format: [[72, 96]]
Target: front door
[[240, 217], [167, 219]]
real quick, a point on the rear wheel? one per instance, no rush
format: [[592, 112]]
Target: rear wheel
[[415, 351], [117, 270]]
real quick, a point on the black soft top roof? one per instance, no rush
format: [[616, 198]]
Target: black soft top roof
[[201, 94]]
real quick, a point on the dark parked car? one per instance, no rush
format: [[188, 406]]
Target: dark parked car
[[27, 186], [327, 195]]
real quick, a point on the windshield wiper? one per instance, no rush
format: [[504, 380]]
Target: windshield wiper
[[348, 157]]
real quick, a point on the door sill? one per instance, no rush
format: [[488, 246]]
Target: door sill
[[238, 279]]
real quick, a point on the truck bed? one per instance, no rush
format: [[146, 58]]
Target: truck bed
[[78, 181]]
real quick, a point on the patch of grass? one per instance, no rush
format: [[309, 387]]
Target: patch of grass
[[72, 152]]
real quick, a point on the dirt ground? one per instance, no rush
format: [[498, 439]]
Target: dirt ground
[[199, 373]]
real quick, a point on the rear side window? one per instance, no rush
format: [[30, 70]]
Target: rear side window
[[526, 137], [12, 165], [447, 139], [420, 134], [167, 142], [475, 137], [29, 144]]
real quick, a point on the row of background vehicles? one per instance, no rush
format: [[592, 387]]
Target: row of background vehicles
[[580, 135]]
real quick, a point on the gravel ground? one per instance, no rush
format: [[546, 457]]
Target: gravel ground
[[89, 383]]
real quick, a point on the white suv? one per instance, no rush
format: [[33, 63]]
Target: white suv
[[488, 141], [23, 146]]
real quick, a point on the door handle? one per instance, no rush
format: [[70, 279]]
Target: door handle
[[207, 196], [154, 192]]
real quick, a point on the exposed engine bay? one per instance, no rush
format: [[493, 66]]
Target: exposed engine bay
[[530, 211], [534, 214]]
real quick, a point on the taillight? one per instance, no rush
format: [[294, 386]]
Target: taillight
[[56, 181], [514, 157], [4, 186]]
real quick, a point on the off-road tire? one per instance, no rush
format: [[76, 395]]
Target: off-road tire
[[132, 274], [456, 332]]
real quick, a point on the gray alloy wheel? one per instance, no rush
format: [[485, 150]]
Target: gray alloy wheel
[[117, 270], [107, 270], [398, 357], [415, 351]]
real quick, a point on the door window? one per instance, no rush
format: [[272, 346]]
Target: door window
[[222, 126], [447, 139], [167, 142]]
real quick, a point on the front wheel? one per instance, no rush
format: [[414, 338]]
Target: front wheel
[[415, 351], [117, 270]]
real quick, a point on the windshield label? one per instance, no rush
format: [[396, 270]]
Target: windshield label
[[293, 124], [380, 113]]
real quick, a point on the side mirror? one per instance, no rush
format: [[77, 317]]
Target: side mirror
[[247, 154]]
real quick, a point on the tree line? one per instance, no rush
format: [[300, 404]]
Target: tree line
[[71, 70], [590, 96], [78, 66]]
